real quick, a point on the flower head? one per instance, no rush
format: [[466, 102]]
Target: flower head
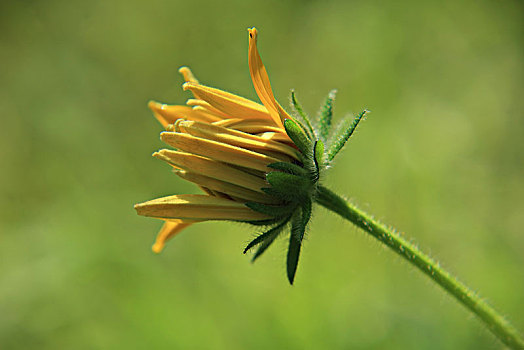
[[253, 162]]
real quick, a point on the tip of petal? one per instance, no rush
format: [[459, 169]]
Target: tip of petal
[[155, 106], [138, 206], [159, 111], [163, 155], [176, 125], [163, 136], [157, 247], [187, 74], [187, 85], [160, 156], [252, 32]]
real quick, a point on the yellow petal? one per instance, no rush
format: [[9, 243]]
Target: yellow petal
[[206, 190], [187, 74], [220, 194], [211, 111], [261, 81], [275, 136], [228, 122], [229, 104], [201, 105], [237, 138], [197, 207], [168, 230], [254, 128], [225, 187], [168, 114], [218, 151], [210, 191], [211, 168]]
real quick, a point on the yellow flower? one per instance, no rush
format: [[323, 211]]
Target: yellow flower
[[224, 144], [254, 162]]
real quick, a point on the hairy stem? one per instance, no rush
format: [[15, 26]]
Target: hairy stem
[[495, 321]]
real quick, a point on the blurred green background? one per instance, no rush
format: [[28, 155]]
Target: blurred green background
[[441, 158]]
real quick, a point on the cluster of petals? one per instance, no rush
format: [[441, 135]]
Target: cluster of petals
[[223, 143]]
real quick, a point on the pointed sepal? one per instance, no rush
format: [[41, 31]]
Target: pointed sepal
[[306, 122], [340, 139], [267, 222], [319, 158], [276, 193], [293, 254], [265, 239], [298, 229], [298, 136], [325, 115]]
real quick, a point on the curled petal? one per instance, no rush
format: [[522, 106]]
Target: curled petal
[[169, 114], [218, 151], [227, 103], [254, 126], [211, 168], [261, 81], [236, 138], [197, 207], [233, 191], [168, 230], [275, 136], [201, 105], [187, 74]]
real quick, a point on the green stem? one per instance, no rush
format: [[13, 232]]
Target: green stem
[[495, 321]]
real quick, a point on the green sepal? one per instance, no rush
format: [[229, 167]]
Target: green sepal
[[305, 118], [289, 168], [276, 193], [268, 235], [293, 254], [319, 157], [304, 127], [341, 137], [288, 184], [263, 247], [325, 115], [298, 136], [277, 211], [267, 222], [307, 208], [298, 229]]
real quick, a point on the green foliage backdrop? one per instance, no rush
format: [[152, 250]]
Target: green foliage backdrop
[[440, 157]]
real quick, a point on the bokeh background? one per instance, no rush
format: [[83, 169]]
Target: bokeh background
[[441, 158]]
